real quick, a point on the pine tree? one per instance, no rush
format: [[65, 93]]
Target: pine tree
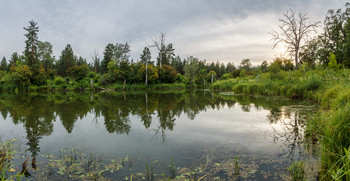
[[32, 41], [3, 64], [66, 61], [107, 57]]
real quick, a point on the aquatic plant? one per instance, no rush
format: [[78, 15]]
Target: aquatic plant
[[236, 163], [172, 169], [149, 172], [297, 171], [7, 153]]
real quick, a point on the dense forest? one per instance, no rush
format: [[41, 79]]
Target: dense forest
[[37, 68]]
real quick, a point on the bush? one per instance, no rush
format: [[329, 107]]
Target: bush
[[313, 82], [181, 79], [253, 89], [226, 76], [284, 89], [295, 91], [239, 88]]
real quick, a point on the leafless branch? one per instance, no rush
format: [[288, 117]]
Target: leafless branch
[[293, 31]]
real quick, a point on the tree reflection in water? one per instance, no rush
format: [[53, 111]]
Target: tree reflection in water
[[291, 130], [38, 112]]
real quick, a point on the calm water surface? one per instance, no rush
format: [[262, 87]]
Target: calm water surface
[[206, 134]]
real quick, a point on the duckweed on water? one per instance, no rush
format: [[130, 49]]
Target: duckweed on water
[[81, 164]]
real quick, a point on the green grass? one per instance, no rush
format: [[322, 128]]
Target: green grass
[[297, 171], [330, 127], [223, 84]]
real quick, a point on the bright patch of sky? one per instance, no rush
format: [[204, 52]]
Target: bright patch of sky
[[222, 30]]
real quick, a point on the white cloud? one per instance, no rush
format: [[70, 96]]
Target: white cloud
[[226, 30]]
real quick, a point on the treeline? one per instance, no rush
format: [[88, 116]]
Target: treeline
[[37, 67]]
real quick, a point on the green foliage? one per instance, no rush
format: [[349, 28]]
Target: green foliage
[[107, 57], [245, 64], [212, 75], [78, 72], [66, 61], [181, 79], [240, 88], [31, 43], [264, 66], [313, 83], [22, 76], [334, 142], [330, 126], [152, 73], [168, 74], [226, 76], [333, 62], [297, 171], [191, 68], [40, 76], [275, 67], [243, 73], [45, 55], [8, 151], [223, 84], [3, 64]]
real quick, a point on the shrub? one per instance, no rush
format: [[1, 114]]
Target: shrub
[[313, 82], [181, 79], [239, 88], [226, 76], [253, 89]]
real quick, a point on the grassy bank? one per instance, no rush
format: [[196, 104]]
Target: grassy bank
[[82, 88], [330, 127]]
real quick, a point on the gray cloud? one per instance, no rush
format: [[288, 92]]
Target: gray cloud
[[225, 30]]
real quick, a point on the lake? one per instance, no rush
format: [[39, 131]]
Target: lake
[[149, 136]]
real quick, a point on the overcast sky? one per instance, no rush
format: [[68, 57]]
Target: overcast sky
[[215, 30]]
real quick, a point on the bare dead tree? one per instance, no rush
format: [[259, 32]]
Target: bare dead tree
[[96, 59], [294, 30], [159, 43]]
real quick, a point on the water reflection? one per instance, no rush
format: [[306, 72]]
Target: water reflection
[[292, 133], [115, 112]]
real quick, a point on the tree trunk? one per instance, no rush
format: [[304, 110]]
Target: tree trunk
[[124, 84], [160, 59], [146, 102], [212, 78], [91, 84], [34, 163], [146, 73], [296, 57]]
